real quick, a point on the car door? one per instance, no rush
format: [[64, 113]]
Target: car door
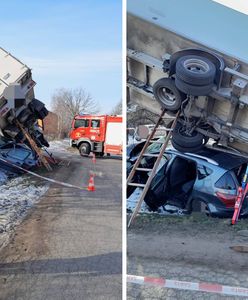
[[80, 129], [157, 193], [97, 130]]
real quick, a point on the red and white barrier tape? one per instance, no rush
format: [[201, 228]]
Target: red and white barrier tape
[[45, 178], [190, 286]]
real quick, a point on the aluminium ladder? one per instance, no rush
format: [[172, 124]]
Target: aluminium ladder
[[155, 166]]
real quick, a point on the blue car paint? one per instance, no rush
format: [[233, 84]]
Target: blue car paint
[[12, 154]]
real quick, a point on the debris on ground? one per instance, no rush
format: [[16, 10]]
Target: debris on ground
[[163, 210]]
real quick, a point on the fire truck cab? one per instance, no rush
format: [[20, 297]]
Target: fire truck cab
[[101, 134]]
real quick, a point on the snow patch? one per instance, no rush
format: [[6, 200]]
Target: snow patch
[[59, 145], [17, 195]]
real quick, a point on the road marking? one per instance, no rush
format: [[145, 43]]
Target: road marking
[[190, 286]]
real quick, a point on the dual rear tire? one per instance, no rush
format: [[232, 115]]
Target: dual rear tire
[[194, 76]]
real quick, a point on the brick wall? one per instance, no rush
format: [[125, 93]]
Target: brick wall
[[51, 125]]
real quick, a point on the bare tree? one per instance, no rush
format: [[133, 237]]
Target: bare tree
[[67, 103], [140, 116], [117, 110]]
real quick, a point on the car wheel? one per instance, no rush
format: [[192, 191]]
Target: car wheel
[[167, 94], [84, 149], [181, 138], [195, 69], [194, 90], [201, 206]]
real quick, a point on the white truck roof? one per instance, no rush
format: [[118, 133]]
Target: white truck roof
[[203, 21], [11, 69]]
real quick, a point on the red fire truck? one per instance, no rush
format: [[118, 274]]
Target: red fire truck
[[99, 134]]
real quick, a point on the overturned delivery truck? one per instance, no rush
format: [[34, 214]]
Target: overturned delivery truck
[[191, 56], [17, 102]]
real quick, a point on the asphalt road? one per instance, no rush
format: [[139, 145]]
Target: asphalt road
[[193, 248], [69, 245]]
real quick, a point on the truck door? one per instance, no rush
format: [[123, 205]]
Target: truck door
[[81, 129], [97, 130]]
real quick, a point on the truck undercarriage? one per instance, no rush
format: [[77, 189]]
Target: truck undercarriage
[[209, 88]]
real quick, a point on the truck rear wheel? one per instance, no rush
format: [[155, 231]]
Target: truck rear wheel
[[184, 142], [166, 93], [195, 70], [84, 149], [194, 90], [181, 138]]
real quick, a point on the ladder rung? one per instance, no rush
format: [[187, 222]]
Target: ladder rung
[[156, 142], [164, 129], [136, 184], [150, 155], [143, 169]]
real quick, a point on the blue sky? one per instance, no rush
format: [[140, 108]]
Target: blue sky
[[67, 43]]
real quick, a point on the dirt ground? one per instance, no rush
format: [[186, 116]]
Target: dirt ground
[[69, 244], [191, 248]]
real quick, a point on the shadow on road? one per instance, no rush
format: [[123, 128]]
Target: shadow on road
[[116, 157], [104, 264]]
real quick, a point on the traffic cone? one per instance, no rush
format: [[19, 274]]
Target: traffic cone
[[91, 186], [93, 158]]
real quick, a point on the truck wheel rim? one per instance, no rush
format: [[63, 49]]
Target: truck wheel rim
[[83, 150], [184, 133], [166, 96], [196, 66]]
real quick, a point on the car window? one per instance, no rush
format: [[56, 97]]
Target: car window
[[226, 182], [203, 171], [240, 172], [95, 123], [81, 123], [149, 161]]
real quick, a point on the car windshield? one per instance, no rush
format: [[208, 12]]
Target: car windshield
[[17, 153], [155, 147]]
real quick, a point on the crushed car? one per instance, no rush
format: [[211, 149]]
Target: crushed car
[[16, 154], [207, 181]]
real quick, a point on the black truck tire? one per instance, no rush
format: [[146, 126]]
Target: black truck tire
[[38, 108], [187, 141], [195, 70], [194, 90], [167, 94], [186, 149], [84, 149]]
